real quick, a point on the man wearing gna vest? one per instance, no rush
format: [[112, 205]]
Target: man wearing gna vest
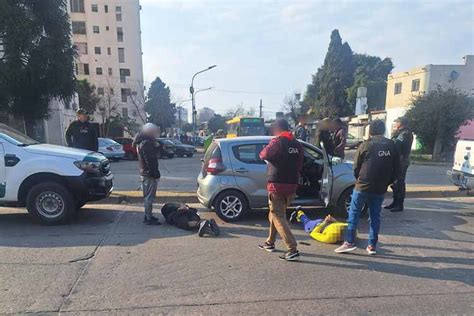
[[376, 166], [284, 157]]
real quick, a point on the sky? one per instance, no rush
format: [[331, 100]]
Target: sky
[[269, 49]]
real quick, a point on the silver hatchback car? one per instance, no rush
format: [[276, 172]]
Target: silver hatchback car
[[233, 178]]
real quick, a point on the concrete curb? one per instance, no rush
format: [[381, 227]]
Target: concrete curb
[[118, 197], [448, 165]]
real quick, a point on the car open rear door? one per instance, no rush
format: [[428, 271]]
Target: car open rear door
[[327, 178]]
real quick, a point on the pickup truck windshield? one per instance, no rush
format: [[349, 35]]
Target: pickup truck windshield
[[17, 137]]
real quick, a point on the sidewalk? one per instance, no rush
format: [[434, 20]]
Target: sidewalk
[[413, 191]]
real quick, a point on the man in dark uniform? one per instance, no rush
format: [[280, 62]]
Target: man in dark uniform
[[376, 166], [301, 132], [284, 156], [403, 139], [81, 134]]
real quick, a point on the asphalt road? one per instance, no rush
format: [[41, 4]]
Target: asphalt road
[[108, 262], [179, 174]]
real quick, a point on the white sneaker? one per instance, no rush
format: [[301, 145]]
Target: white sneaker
[[346, 247]]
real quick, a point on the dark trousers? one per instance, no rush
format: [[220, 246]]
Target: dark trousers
[[399, 187]]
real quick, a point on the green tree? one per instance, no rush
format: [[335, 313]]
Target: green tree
[[216, 123], [38, 59], [158, 106], [370, 72], [88, 98], [435, 118], [327, 92]]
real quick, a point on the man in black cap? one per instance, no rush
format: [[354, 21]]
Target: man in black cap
[[81, 134], [403, 139]]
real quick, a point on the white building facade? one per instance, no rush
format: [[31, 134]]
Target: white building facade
[[108, 39]]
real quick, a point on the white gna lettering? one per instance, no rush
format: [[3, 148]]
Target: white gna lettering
[[383, 153], [292, 150]]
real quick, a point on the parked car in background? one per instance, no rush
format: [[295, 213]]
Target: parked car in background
[[353, 142], [181, 149], [111, 149], [462, 173], [233, 178], [167, 148], [53, 182], [128, 148]]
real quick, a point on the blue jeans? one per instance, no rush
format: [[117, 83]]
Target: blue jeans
[[359, 199], [309, 224]]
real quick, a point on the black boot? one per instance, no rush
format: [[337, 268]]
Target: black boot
[[205, 228], [397, 207], [389, 206], [214, 227]]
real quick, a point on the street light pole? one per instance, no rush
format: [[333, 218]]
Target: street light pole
[[191, 89]]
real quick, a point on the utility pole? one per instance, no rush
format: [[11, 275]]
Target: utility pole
[[179, 118], [261, 107]]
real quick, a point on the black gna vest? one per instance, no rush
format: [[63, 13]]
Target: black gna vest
[[284, 168]]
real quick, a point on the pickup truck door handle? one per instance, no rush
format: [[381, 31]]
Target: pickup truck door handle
[[241, 170]]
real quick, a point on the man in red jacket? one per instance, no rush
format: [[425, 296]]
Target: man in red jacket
[[284, 157]]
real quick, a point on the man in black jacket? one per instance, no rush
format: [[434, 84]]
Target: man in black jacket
[[147, 149], [403, 139], [185, 217], [81, 134], [376, 166]]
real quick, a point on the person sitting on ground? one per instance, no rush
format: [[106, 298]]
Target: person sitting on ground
[[327, 230], [185, 217]]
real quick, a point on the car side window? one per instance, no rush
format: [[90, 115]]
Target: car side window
[[248, 153], [312, 154]]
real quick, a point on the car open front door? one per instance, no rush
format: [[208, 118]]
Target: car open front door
[[327, 178], [3, 183]]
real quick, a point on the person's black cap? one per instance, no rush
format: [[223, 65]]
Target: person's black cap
[[376, 127], [81, 111], [402, 120], [281, 124]]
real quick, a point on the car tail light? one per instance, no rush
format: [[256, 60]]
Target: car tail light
[[215, 166]]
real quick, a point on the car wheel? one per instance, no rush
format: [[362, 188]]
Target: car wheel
[[50, 203], [189, 155], [180, 156], [344, 203], [171, 156], [231, 206]]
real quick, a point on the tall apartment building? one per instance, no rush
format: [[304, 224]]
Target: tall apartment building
[[403, 85], [108, 39]]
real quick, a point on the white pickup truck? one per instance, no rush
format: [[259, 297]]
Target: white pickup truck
[[53, 182], [462, 173]]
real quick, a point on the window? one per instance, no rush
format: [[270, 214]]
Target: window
[[86, 69], [96, 29], [415, 85], [119, 34], [106, 8], [118, 17], [100, 91], [124, 93], [77, 6], [81, 48], [97, 50], [121, 55], [107, 28], [118, 9], [98, 71], [398, 88], [112, 91], [109, 51], [248, 153], [78, 27], [124, 73], [125, 113], [110, 71], [95, 8]]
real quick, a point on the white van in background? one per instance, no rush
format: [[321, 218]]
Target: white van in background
[[462, 173]]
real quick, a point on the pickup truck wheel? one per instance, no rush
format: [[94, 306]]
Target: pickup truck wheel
[[189, 155], [231, 206], [50, 203]]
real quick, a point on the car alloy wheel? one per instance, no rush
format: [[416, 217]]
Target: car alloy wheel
[[231, 206], [50, 204]]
